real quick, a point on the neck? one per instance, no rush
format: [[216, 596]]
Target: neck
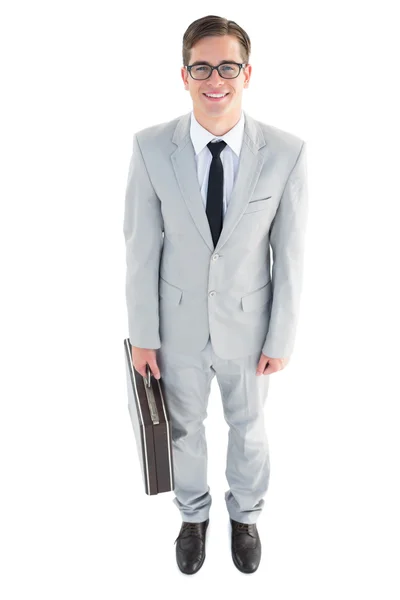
[[218, 125]]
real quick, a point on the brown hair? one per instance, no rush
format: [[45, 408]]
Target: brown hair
[[213, 25]]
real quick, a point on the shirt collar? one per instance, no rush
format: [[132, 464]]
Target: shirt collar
[[201, 136]]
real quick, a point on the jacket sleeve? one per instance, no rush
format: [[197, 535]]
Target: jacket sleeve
[[143, 232], [287, 239]]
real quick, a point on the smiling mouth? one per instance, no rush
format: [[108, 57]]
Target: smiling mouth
[[216, 98]]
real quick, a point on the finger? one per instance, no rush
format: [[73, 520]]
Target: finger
[[154, 369], [270, 369], [261, 366], [141, 369]]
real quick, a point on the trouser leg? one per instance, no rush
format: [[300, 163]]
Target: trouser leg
[[247, 466], [186, 382]]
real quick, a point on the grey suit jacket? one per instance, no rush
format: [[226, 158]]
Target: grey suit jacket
[[179, 288]]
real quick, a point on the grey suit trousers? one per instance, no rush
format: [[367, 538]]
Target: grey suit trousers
[[187, 383]]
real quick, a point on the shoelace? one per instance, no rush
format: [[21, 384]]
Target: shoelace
[[189, 529], [244, 528], [238, 530]]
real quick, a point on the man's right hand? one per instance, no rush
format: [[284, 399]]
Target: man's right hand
[[143, 356]]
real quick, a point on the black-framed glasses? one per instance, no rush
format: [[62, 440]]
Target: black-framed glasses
[[225, 70]]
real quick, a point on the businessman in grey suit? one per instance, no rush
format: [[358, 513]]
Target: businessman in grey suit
[[209, 195]]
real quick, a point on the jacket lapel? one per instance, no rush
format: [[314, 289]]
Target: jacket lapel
[[249, 169]]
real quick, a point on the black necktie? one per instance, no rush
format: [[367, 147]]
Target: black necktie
[[215, 190]]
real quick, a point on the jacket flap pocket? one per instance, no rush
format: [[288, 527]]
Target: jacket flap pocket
[[257, 298], [254, 205], [169, 291]]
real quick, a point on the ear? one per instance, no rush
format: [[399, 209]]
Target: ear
[[185, 76], [247, 73]]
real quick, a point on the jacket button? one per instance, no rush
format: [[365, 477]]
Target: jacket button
[[212, 293], [215, 257]]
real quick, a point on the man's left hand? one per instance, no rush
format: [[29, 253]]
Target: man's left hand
[[274, 364]]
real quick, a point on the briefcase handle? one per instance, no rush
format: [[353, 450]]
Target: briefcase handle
[[148, 378], [150, 398]]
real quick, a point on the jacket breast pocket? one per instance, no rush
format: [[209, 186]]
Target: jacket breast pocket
[[169, 292], [257, 298], [255, 205]]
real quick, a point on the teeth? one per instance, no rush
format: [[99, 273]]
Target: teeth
[[215, 95]]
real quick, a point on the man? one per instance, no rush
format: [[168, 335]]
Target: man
[[209, 194]]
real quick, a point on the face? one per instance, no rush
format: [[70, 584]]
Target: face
[[214, 50]]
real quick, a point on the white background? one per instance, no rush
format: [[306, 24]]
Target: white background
[[78, 79]]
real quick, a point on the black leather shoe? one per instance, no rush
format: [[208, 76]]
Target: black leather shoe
[[246, 546], [191, 546]]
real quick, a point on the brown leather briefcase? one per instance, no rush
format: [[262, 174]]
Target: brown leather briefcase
[[152, 427]]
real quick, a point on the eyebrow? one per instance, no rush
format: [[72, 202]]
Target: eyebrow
[[204, 62]]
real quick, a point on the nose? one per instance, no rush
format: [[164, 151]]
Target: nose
[[215, 77]]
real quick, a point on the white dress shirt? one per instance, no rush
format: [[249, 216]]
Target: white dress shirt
[[229, 156]]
